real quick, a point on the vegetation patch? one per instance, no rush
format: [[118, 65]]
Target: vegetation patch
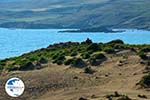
[[59, 59], [68, 61], [109, 50], [99, 56], [43, 60], [94, 47], [97, 59], [143, 56], [78, 62], [26, 65], [145, 82], [145, 49], [73, 54], [86, 55], [118, 41]]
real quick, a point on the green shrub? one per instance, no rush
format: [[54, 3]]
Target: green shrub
[[109, 50], [55, 56], [1, 67], [119, 46], [26, 65], [11, 68], [97, 59], [146, 81], [58, 57], [43, 60], [74, 53], [59, 62], [2, 63], [99, 56], [85, 55], [118, 41], [93, 62], [54, 61], [33, 58], [78, 62], [93, 47], [143, 56], [145, 49], [68, 61], [61, 57]]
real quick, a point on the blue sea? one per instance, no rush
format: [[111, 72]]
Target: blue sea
[[15, 42]]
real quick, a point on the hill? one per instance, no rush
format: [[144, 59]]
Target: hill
[[81, 71], [76, 14]]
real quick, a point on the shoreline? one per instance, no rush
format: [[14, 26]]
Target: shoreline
[[76, 30]]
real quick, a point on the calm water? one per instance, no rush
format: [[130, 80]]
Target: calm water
[[19, 41]]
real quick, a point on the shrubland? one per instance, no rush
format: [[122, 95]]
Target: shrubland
[[73, 54]]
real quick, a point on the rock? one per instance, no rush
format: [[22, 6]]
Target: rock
[[75, 77], [142, 96], [93, 96], [82, 98]]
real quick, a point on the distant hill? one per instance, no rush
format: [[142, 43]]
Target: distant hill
[[75, 13]]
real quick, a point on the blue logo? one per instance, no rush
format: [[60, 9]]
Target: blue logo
[[14, 87]]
